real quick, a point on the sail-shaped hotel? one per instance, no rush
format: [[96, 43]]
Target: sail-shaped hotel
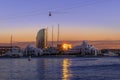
[[41, 38]]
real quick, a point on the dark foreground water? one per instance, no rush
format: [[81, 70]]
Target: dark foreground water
[[106, 68]]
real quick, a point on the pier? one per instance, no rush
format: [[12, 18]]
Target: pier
[[117, 51], [4, 49]]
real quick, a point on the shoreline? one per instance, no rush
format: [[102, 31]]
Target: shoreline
[[56, 56]]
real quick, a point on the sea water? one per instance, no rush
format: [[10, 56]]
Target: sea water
[[60, 68]]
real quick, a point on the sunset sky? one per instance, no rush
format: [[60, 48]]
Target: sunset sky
[[78, 19]]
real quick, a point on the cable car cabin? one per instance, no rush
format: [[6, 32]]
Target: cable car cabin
[[50, 14]]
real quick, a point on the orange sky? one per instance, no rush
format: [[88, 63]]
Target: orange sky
[[23, 20], [21, 35]]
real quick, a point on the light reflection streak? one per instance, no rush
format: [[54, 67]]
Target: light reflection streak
[[66, 72]]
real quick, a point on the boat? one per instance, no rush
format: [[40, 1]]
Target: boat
[[109, 53], [14, 52], [84, 49]]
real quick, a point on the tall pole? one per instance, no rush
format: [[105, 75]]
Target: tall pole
[[58, 34], [52, 36], [11, 43], [47, 37]]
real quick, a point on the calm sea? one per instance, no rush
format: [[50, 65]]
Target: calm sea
[[74, 68]]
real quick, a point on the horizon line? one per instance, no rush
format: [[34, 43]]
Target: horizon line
[[55, 41]]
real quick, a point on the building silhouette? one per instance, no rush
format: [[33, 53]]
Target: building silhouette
[[41, 39]]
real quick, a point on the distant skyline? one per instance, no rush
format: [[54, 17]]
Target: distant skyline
[[78, 19]]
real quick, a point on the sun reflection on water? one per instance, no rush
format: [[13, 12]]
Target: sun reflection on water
[[66, 71]]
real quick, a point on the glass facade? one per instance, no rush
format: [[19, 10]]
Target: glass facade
[[41, 39]]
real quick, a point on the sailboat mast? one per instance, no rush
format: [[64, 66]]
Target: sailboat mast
[[58, 35], [52, 36], [11, 43], [47, 37]]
